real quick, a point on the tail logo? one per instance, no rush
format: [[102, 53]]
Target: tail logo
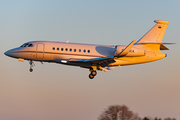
[[159, 27]]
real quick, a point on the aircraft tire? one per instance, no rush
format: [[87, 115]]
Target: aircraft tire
[[94, 73], [91, 76], [30, 69]]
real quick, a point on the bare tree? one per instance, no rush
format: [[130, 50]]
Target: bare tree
[[117, 112], [155, 118], [145, 118]]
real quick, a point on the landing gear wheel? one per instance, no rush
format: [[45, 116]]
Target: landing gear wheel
[[91, 76], [30, 69], [94, 73], [31, 65]]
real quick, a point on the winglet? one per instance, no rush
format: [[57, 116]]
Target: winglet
[[126, 50]]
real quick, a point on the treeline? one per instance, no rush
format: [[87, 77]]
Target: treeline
[[122, 112], [148, 118]]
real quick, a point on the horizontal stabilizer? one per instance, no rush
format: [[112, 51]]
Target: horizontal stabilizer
[[162, 47], [153, 43]]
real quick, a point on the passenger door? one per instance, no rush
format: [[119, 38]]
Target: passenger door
[[40, 50]]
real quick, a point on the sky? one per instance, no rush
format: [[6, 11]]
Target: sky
[[58, 92]]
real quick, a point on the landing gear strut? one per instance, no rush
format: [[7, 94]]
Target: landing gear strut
[[31, 65], [92, 74]]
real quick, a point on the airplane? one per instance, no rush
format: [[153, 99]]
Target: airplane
[[96, 57]]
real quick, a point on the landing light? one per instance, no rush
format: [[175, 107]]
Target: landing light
[[63, 61], [20, 59]]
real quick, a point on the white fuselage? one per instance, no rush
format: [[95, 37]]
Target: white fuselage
[[46, 51]]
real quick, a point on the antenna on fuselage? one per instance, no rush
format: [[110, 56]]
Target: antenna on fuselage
[[67, 41]]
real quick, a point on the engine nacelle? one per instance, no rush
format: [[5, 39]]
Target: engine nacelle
[[134, 52]]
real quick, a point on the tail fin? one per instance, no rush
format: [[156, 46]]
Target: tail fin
[[156, 34]]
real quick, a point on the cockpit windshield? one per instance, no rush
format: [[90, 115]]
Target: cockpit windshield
[[27, 45]]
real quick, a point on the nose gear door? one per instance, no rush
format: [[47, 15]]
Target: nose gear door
[[40, 51]]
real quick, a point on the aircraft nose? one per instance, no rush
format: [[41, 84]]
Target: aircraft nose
[[7, 53]]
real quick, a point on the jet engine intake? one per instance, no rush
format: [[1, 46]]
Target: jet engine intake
[[133, 52]]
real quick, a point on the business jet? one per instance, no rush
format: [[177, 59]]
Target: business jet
[[95, 57]]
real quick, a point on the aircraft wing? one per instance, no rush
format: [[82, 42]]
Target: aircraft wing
[[91, 60], [104, 61]]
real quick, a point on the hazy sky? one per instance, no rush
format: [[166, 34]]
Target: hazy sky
[[57, 92]]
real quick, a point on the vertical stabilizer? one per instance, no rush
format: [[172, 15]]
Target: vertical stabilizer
[[156, 34]]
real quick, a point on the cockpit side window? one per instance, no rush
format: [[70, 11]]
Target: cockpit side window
[[27, 45], [30, 45], [24, 45]]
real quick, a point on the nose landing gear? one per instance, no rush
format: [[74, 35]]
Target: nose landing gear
[[31, 65], [92, 74]]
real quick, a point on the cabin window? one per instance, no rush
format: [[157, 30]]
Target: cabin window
[[70, 49], [66, 49], [53, 48], [74, 50], [62, 49], [79, 50], [84, 51], [58, 49], [88, 51]]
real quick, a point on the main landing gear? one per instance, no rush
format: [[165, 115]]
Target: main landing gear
[[31, 65], [92, 74]]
